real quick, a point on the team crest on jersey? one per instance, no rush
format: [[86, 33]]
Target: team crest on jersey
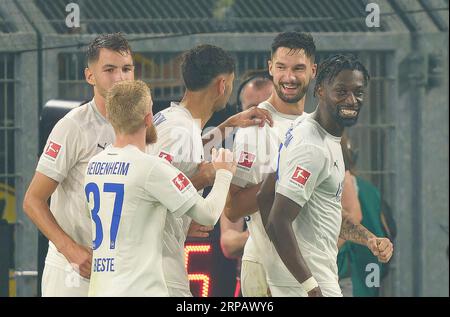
[[167, 156], [300, 176], [158, 119], [246, 160], [52, 150], [181, 182]]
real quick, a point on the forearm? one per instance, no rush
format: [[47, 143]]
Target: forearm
[[233, 242], [356, 233], [243, 203], [265, 197], [283, 238], [40, 214], [207, 211]]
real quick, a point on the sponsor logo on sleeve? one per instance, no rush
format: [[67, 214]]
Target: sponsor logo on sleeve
[[246, 160], [167, 156], [181, 182], [300, 176], [52, 150]]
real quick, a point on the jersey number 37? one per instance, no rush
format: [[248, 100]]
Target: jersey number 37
[[92, 188]]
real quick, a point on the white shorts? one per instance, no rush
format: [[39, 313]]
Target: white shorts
[[287, 291], [57, 282], [253, 280], [293, 291]]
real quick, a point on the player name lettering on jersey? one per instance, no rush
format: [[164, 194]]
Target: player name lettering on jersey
[[108, 168], [103, 264]]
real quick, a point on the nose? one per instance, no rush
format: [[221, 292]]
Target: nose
[[121, 75], [351, 99], [290, 75]]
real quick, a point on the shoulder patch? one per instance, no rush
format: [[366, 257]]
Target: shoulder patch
[[246, 160], [181, 182], [300, 176], [52, 150]]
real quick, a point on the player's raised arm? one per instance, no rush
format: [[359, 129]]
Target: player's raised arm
[[207, 211]]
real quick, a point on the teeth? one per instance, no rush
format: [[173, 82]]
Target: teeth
[[348, 112], [290, 86]]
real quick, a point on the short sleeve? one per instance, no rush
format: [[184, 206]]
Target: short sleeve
[[251, 156], [175, 143], [171, 188], [301, 173], [62, 150]]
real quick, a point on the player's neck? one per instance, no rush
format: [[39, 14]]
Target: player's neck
[[100, 103], [287, 108], [327, 122], [137, 139], [199, 105]]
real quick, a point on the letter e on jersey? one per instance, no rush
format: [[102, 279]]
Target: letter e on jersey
[[52, 150], [181, 182], [246, 160], [300, 176]]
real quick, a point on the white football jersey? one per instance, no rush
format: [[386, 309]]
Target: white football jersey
[[129, 194], [74, 140], [180, 143], [256, 151], [311, 173]]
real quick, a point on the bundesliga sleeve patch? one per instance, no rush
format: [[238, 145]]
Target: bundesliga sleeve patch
[[246, 160], [168, 157], [52, 150], [300, 176], [181, 182]]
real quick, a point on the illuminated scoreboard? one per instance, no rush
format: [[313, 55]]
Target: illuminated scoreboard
[[209, 272]]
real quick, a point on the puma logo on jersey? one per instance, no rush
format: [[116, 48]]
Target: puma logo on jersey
[[102, 147], [52, 150], [300, 176], [181, 182]]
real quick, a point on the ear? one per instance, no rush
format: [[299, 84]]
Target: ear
[[148, 119], [314, 70], [269, 63], [221, 85], [320, 91], [89, 75]]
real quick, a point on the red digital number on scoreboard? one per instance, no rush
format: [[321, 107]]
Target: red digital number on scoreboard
[[198, 277]]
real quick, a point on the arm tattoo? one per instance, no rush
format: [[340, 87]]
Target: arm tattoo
[[354, 232]]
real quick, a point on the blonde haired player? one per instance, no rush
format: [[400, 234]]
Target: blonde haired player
[[130, 193]]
